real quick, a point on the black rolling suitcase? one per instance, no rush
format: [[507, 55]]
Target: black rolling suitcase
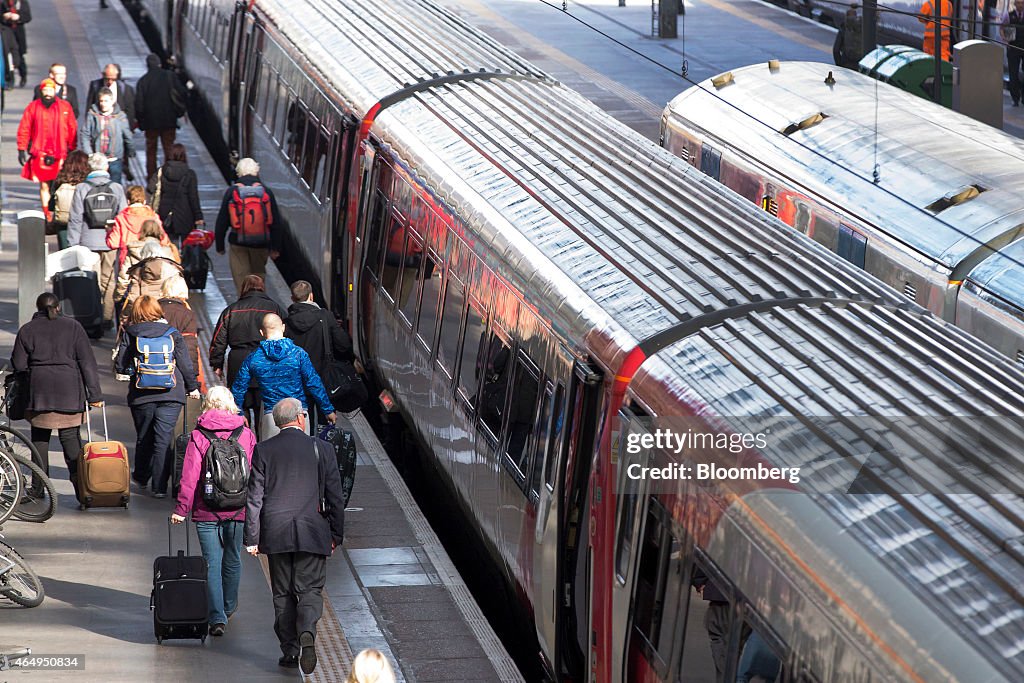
[[179, 600], [183, 434], [196, 264], [79, 294], [344, 444]]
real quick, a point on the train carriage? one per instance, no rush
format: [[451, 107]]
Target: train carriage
[[526, 276]]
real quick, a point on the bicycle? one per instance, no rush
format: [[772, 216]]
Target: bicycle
[[18, 581], [37, 500], [9, 657], [11, 485]]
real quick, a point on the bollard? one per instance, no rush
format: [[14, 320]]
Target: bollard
[[31, 262]]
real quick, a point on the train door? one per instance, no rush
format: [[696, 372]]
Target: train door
[[374, 208], [561, 536], [341, 248]]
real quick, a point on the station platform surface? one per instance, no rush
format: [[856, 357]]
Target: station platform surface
[[606, 52], [391, 585]]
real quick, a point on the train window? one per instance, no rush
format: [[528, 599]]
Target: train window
[[394, 257], [521, 413], [267, 91], [375, 232], [482, 283], [473, 345], [630, 498], [555, 447], [427, 323], [412, 278], [506, 308], [852, 245], [494, 378], [710, 161], [659, 571], [296, 120], [706, 615], [281, 110], [541, 446], [451, 323], [311, 151]]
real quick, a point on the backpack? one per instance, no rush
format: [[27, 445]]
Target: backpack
[[62, 205], [99, 205], [250, 215], [154, 362], [225, 475]]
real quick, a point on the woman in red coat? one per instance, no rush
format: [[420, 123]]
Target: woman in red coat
[[47, 132]]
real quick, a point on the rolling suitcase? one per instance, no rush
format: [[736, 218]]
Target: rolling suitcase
[[179, 600], [103, 471], [79, 294], [183, 433], [344, 444], [196, 265]]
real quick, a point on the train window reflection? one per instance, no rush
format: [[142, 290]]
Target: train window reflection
[[709, 617], [375, 231], [473, 347], [543, 432], [451, 321], [431, 298], [393, 256], [494, 376], [554, 449], [650, 577], [758, 662], [521, 409], [412, 278]]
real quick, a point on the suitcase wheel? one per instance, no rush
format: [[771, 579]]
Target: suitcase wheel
[[83, 506]]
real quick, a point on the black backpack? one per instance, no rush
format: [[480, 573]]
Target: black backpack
[[225, 474], [99, 205]]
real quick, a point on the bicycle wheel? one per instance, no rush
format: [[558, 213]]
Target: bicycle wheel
[[38, 500], [38, 496], [18, 582], [10, 485]]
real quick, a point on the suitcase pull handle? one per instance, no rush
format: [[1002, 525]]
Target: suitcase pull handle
[[88, 422], [170, 526]]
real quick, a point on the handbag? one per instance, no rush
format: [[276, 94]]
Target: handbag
[[16, 394], [344, 386]]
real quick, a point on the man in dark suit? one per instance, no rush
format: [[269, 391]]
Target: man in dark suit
[[294, 477], [59, 74], [124, 94]]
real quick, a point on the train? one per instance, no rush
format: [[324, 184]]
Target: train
[[532, 283], [940, 220]]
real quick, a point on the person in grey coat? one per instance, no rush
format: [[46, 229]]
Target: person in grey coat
[[95, 237], [106, 130], [291, 474]]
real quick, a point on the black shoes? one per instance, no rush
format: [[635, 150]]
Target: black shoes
[[217, 629], [307, 653], [289, 661]]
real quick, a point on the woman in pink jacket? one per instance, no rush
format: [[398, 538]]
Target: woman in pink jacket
[[220, 531]]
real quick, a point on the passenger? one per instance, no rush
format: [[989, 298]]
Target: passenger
[[308, 326], [239, 328], [15, 14], [128, 224], [154, 410], [1012, 31], [65, 91], [295, 516], [106, 131], [55, 352], [716, 619], [73, 172], [175, 193], [254, 231], [371, 666], [147, 277], [89, 229], [927, 17], [149, 232], [758, 663], [47, 132], [159, 101], [849, 48], [220, 531], [124, 94], [180, 315], [281, 370], [11, 56]]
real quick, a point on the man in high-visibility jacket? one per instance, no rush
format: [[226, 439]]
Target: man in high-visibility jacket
[[927, 17]]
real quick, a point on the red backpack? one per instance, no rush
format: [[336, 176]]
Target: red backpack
[[250, 215]]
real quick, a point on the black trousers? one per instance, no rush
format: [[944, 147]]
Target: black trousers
[[297, 583], [70, 443], [1013, 61]]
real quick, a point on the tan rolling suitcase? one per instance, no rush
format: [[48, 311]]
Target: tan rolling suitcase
[[103, 471]]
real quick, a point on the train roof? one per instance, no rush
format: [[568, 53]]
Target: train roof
[[618, 243], [1000, 274], [928, 157]]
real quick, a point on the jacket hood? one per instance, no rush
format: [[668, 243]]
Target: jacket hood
[[155, 269], [174, 171], [153, 328], [95, 110], [277, 349], [302, 317], [140, 212], [248, 179], [217, 420]]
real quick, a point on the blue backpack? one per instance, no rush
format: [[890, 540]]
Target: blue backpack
[[154, 362]]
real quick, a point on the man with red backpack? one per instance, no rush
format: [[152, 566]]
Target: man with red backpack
[[248, 218]]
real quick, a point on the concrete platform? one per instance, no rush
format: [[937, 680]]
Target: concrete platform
[[391, 586]]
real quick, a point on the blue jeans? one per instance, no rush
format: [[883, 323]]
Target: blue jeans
[[115, 169], [154, 425], [222, 548]]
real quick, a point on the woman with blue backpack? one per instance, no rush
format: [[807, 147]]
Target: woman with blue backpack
[[156, 360], [214, 483]]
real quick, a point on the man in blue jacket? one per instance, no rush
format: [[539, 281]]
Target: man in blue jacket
[[281, 370]]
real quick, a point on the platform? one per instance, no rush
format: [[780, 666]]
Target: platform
[[391, 586]]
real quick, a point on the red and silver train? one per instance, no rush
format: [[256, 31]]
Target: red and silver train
[[531, 281]]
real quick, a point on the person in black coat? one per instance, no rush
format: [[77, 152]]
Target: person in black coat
[[62, 376], [174, 193], [11, 55], [154, 411], [14, 14], [159, 101], [291, 474], [124, 94], [65, 91]]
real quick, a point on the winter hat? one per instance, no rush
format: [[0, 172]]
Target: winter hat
[[48, 83]]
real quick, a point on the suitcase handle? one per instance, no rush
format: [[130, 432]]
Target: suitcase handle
[[170, 527], [88, 422]]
